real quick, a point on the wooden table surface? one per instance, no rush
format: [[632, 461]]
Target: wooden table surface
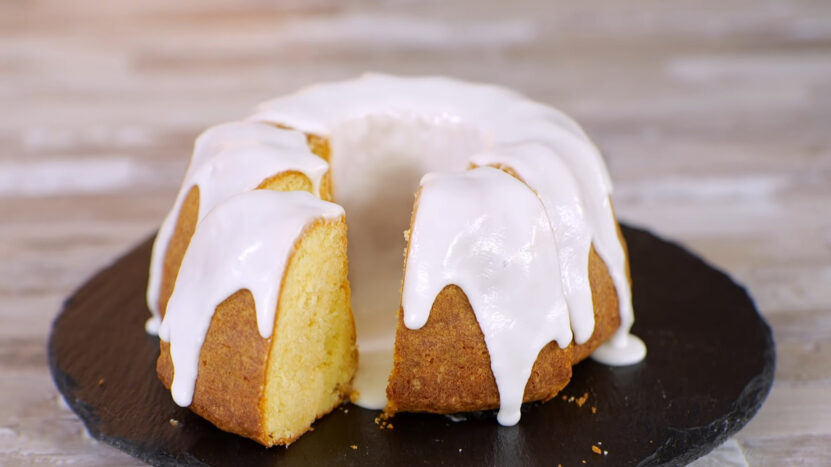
[[715, 118]]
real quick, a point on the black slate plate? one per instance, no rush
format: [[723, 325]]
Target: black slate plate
[[709, 368]]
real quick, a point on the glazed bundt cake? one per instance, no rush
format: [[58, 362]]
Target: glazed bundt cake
[[514, 266]]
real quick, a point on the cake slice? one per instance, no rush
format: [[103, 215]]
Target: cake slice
[[278, 351]]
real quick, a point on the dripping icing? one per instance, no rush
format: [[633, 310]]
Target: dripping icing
[[558, 190]]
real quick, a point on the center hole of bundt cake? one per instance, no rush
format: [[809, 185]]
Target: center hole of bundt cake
[[377, 163]]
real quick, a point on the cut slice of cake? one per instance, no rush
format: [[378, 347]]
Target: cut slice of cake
[[274, 348]]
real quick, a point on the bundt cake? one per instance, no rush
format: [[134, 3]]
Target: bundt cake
[[514, 266]]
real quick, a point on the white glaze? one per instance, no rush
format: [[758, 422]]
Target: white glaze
[[560, 194], [229, 159], [489, 234], [501, 115], [258, 230], [384, 133], [620, 351]]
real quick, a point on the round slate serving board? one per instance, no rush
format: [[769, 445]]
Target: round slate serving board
[[709, 367]]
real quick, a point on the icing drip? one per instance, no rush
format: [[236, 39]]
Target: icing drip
[[488, 233], [559, 192], [580, 216], [584, 161], [258, 230], [621, 350], [229, 159]]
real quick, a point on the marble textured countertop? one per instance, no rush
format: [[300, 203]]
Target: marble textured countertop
[[715, 118]]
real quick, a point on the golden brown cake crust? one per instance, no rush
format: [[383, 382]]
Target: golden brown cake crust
[[444, 367], [232, 366]]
